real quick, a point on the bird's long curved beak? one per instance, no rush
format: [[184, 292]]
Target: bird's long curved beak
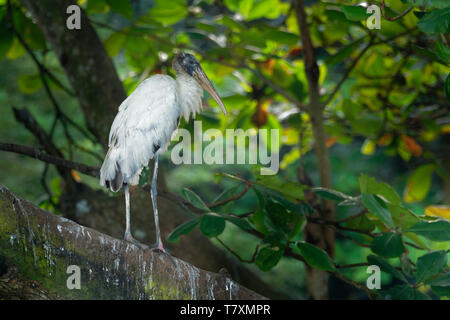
[[205, 83]]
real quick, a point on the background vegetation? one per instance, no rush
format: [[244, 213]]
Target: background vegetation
[[363, 118]]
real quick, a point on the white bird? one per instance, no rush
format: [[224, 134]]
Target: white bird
[[144, 125]]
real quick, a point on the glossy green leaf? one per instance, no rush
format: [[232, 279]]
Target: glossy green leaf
[[443, 291], [388, 245], [419, 183], [167, 12], [376, 206], [430, 264], [183, 229], [436, 230], [268, 257], [436, 21], [330, 194], [316, 257], [442, 51], [212, 225], [195, 199], [355, 13], [441, 281], [371, 185], [405, 292], [240, 222]]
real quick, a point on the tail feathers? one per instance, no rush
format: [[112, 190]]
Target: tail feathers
[[110, 173]]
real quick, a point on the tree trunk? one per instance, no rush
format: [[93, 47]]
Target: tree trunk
[[317, 280], [37, 247]]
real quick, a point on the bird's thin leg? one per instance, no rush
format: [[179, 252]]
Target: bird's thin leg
[[128, 237], [159, 244]]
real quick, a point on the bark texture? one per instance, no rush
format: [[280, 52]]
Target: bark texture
[[36, 248]]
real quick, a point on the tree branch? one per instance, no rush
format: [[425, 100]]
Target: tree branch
[[36, 244], [57, 161]]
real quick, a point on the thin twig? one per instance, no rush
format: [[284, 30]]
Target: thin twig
[[352, 217], [347, 72], [233, 198], [383, 13], [237, 255], [58, 161]]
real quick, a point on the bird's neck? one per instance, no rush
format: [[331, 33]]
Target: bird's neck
[[190, 95]]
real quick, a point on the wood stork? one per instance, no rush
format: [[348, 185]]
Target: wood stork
[[144, 125]]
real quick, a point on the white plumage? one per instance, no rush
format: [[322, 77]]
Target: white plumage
[[145, 124]]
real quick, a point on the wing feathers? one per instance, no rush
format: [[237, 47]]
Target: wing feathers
[[143, 126]]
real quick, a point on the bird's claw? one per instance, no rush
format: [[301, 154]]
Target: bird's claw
[[160, 248], [129, 238]]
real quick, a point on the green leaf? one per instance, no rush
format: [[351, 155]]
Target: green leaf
[[268, 257], [419, 183], [292, 191], [388, 245], [436, 230], [441, 281], [376, 206], [385, 266], [226, 194], [115, 43], [212, 225], [195, 200], [167, 12], [442, 51], [123, 7], [405, 292], [330, 194], [240, 222], [430, 264], [342, 54], [278, 214], [360, 223], [428, 4], [403, 217], [300, 208], [29, 83], [183, 229], [442, 291], [316, 257], [258, 220], [355, 13], [436, 21], [371, 185]]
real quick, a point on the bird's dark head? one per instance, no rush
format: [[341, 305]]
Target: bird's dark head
[[185, 63], [188, 63]]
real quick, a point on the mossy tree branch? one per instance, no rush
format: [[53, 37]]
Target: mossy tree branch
[[36, 248]]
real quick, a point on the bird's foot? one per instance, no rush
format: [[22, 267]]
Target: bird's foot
[[160, 248], [129, 238]]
